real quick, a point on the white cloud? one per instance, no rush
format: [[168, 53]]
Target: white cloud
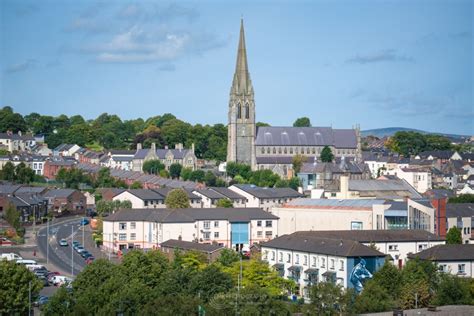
[[23, 66]]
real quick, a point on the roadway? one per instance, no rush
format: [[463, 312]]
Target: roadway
[[64, 258]]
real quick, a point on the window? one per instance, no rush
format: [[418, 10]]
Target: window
[[268, 223], [216, 224], [263, 150], [133, 225], [279, 150], [268, 234], [461, 268], [323, 262], [305, 262], [122, 226], [291, 150], [206, 235], [288, 258], [239, 111], [259, 234], [274, 150], [315, 262], [265, 255], [332, 263], [259, 223], [122, 237], [207, 224], [392, 247], [341, 265], [297, 261], [422, 247], [273, 255], [356, 226], [281, 257], [285, 150], [216, 234], [442, 268], [133, 236]]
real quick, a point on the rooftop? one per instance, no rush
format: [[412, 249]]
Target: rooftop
[[463, 252], [367, 236], [188, 245], [333, 203]]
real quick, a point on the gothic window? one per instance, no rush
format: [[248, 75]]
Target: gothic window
[[279, 150], [307, 150], [274, 150], [239, 111], [247, 111], [285, 151], [268, 150], [291, 150], [314, 150], [263, 150]]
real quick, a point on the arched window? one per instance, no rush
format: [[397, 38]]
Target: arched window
[[274, 150], [279, 150], [239, 111], [247, 111], [263, 150], [285, 150]]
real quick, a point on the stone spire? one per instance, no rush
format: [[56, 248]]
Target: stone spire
[[242, 83]]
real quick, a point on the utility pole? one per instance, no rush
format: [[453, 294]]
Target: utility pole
[[72, 250], [47, 241]]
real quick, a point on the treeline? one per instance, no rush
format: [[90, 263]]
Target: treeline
[[412, 143], [110, 132], [20, 173], [242, 173]]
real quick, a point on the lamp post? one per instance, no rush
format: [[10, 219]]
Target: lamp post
[[72, 250]]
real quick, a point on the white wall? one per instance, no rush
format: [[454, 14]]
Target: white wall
[[399, 250], [453, 267]]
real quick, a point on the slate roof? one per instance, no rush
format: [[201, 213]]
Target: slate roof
[[211, 194], [305, 136], [321, 245], [63, 147], [37, 190], [441, 154], [463, 252], [15, 136], [58, 193], [268, 193], [164, 191], [161, 153], [146, 195], [467, 156], [188, 245], [122, 152], [383, 188], [460, 210], [367, 236], [190, 215], [397, 206], [343, 167], [228, 193], [9, 188], [439, 193], [333, 203]]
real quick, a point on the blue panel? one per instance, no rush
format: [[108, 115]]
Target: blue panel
[[239, 233]]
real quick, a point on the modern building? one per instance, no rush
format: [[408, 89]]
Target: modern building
[[274, 147], [309, 259], [455, 259], [148, 228]]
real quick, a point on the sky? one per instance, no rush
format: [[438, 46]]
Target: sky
[[340, 63]]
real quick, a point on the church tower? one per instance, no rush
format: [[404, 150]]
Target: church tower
[[241, 128]]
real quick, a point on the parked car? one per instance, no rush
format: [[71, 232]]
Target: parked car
[[90, 259], [85, 254], [59, 280], [75, 243], [41, 272], [10, 256], [50, 276], [26, 261], [79, 249], [42, 300], [84, 222], [43, 279], [63, 243]]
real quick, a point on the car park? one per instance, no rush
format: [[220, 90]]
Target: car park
[[63, 243]]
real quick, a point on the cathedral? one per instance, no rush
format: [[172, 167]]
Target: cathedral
[[274, 147]]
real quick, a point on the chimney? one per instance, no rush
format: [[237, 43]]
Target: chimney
[[153, 147], [139, 146]]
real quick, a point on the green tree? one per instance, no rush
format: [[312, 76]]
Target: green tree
[[198, 175], [454, 236], [294, 183], [226, 203], [234, 168], [136, 185], [262, 124], [175, 170], [176, 304], [389, 277], [12, 216], [186, 174], [8, 172], [177, 198], [164, 173], [228, 257], [326, 298], [462, 198], [61, 303], [298, 161], [10, 121], [453, 290], [209, 282], [264, 178], [302, 122], [104, 179], [327, 155], [15, 284], [374, 298], [210, 179], [153, 166], [24, 174]]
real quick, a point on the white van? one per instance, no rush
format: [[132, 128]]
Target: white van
[[59, 280], [25, 261], [10, 256], [33, 267]]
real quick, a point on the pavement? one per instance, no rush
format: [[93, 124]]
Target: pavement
[[449, 310]]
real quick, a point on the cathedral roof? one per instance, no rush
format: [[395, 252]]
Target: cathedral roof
[[306, 136]]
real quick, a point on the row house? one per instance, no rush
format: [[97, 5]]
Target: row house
[[210, 251], [61, 201], [35, 162], [147, 198], [66, 150], [16, 142], [149, 228], [419, 178], [31, 206], [184, 157], [264, 198], [309, 259], [52, 167], [210, 196]]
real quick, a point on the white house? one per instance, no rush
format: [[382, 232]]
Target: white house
[[461, 215], [394, 243], [148, 228], [210, 196], [455, 259], [142, 198], [265, 198], [308, 259], [16, 142]]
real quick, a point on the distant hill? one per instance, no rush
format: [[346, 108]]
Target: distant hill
[[389, 131]]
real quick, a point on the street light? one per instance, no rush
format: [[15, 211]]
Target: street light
[[72, 250]]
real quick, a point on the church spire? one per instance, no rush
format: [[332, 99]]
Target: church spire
[[242, 83]]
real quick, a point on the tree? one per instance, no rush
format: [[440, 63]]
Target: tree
[[326, 298], [453, 290], [462, 198], [8, 172], [210, 179], [298, 161], [198, 175], [175, 170], [374, 298], [136, 185], [234, 168], [15, 284], [327, 155], [209, 282], [262, 124], [454, 236], [177, 198], [228, 257], [225, 203], [186, 174], [12, 216], [24, 174], [61, 303], [302, 122], [389, 278], [264, 178]]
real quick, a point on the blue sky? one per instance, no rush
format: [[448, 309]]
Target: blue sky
[[375, 63]]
